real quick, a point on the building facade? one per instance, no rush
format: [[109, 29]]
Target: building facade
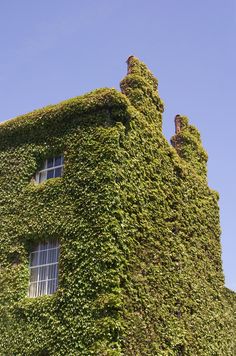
[[110, 236]]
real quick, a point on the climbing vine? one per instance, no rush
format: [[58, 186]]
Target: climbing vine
[[140, 268]]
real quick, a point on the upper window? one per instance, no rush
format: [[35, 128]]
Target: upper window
[[52, 168], [44, 268]]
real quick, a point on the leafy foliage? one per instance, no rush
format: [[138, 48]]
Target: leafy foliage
[[140, 268]]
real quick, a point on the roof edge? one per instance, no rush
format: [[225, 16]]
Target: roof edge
[[72, 110]]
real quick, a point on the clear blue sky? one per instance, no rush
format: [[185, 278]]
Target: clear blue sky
[[52, 50]]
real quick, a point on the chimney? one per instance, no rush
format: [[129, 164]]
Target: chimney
[[178, 124], [128, 64]]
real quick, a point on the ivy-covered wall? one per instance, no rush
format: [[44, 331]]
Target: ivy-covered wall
[[140, 268]]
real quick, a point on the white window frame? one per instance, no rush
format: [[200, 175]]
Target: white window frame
[[42, 249], [45, 169]]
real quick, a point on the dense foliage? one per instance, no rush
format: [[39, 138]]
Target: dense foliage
[[140, 261]]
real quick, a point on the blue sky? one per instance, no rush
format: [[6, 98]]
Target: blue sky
[[57, 49]]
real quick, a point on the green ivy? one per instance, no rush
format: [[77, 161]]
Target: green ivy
[[140, 268]]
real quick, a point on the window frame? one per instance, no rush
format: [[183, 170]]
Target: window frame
[[47, 269], [45, 169]]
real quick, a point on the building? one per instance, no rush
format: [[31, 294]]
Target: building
[[129, 218]]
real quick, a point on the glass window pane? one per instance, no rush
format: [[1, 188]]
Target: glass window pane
[[34, 274], [43, 165], [43, 246], [50, 162], [44, 268], [52, 286], [58, 161], [33, 258], [52, 255], [58, 172], [47, 170], [43, 273], [42, 257], [50, 173], [36, 248], [52, 271], [42, 176], [33, 290], [42, 288], [53, 244]]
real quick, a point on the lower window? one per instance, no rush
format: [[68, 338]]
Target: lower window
[[44, 268]]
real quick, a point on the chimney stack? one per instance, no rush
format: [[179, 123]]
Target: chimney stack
[[178, 124]]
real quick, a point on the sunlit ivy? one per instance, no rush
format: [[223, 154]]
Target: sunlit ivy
[[140, 268]]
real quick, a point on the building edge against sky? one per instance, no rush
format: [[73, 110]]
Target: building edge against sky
[[139, 269]]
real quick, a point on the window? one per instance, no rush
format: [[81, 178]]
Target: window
[[44, 268], [52, 168]]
